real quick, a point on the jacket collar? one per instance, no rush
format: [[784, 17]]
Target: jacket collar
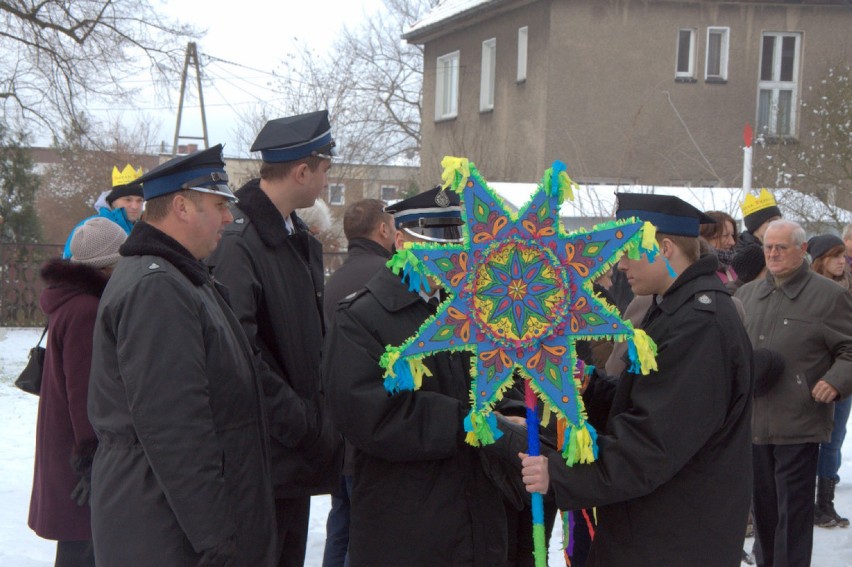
[[367, 247], [264, 216], [792, 286], [691, 282], [146, 240]]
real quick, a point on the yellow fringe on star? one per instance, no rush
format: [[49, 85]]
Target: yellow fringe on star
[[456, 172]]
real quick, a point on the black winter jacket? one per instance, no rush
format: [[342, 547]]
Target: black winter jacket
[[420, 495], [275, 282]]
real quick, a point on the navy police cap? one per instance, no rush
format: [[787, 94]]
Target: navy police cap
[[295, 137], [433, 215], [202, 171], [671, 215]]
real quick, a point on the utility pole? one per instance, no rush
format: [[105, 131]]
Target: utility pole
[[191, 56]]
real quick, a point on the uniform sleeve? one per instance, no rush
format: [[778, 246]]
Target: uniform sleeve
[[406, 426], [162, 361], [293, 421], [673, 413], [76, 364], [837, 329]]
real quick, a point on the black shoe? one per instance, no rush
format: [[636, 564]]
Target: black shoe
[[822, 519]]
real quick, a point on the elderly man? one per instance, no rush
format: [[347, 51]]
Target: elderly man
[[181, 475], [807, 319]]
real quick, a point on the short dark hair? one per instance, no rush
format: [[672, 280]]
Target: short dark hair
[[689, 245], [157, 209], [272, 171], [711, 231], [362, 217]]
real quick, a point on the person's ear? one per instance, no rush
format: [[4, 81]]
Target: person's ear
[[180, 206]]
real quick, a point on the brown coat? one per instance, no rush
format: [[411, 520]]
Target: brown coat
[[808, 321]]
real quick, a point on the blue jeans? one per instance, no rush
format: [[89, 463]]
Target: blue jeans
[[337, 526], [829, 453]]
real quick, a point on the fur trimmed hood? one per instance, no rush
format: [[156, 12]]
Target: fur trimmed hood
[[66, 279]]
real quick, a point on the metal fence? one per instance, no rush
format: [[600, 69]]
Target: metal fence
[[20, 284]]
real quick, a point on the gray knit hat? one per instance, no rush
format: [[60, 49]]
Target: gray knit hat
[[96, 242]]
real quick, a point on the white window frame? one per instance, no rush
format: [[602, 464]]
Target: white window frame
[[447, 86], [725, 34], [523, 44], [770, 91], [331, 200], [689, 73], [394, 188], [488, 75]]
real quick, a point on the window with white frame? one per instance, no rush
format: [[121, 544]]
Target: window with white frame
[[336, 194], [778, 87], [523, 35], [389, 193], [685, 66], [489, 68], [716, 67], [447, 86]]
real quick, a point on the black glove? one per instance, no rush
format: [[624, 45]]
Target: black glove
[[768, 367], [220, 555], [81, 492]]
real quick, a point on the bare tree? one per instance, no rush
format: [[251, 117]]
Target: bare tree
[[56, 55], [371, 81], [70, 187], [820, 162]]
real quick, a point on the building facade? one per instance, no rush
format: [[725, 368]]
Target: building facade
[[654, 92]]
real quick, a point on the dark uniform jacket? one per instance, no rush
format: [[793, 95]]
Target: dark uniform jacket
[[64, 433], [808, 321], [363, 261], [673, 479], [420, 495], [275, 281], [182, 463]]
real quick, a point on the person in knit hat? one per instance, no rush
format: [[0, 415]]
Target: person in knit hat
[[65, 439], [96, 242], [828, 258]]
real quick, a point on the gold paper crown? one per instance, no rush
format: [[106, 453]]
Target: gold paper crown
[[125, 176], [752, 204]]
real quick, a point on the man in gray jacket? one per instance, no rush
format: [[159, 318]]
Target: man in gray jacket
[[181, 475], [807, 319]]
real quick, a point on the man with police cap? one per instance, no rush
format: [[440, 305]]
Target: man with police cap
[[672, 480], [181, 475], [420, 495], [272, 265]]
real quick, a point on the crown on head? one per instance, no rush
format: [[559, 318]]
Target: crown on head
[[752, 204], [125, 176]]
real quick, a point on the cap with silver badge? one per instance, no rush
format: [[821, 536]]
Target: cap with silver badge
[[202, 171]]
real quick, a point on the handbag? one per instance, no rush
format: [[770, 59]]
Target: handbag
[[30, 379]]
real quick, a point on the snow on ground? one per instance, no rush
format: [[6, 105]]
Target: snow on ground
[[20, 547]]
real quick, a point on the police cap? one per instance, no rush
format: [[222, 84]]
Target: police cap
[[434, 215], [671, 215], [295, 137], [202, 171]]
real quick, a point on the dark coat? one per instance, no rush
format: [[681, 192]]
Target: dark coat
[[183, 462], [364, 260], [63, 433], [673, 479], [808, 321], [275, 281], [420, 495]]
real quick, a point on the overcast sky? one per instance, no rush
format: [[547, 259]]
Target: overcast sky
[[254, 34]]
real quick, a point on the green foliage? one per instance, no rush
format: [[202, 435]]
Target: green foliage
[[18, 186]]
